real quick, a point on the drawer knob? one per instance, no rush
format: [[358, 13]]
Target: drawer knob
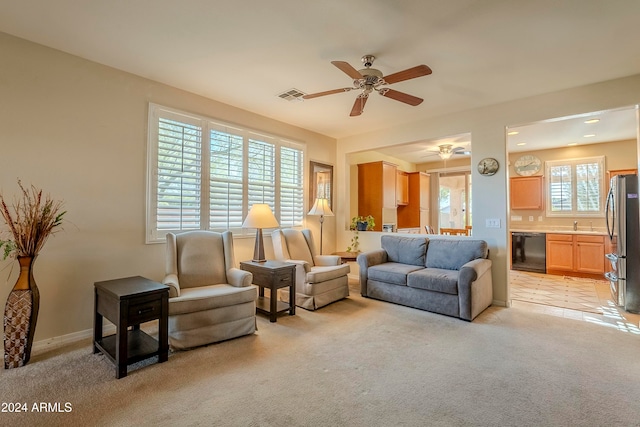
[[145, 310]]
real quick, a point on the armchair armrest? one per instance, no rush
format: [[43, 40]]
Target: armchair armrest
[[174, 285], [302, 268], [239, 278], [325, 260], [366, 260]]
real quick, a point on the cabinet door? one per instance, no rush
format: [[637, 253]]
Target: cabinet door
[[388, 186], [527, 193], [402, 188], [560, 252], [590, 254]]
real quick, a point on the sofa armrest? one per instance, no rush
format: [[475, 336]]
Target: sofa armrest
[[366, 260], [475, 288], [239, 278], [174, 285], [326, 260]]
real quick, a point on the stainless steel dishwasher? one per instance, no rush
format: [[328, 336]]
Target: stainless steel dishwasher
[[529, 251]]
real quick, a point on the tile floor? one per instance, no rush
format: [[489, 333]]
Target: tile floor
[[571, 297]]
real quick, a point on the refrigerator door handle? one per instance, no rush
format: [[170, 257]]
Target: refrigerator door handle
[[609, 206]]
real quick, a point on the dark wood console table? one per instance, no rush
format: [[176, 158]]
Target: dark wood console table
[[127, 303]]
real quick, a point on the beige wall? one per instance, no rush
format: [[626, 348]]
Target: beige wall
[[487, 127], [618, 155], [78, 129]]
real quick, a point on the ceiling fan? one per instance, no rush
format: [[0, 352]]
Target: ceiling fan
[[369, 79], [446, 151]]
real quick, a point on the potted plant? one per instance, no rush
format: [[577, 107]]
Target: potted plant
[[359, 223], [31, 220]]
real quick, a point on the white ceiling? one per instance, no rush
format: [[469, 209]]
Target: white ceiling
[[245, 53]]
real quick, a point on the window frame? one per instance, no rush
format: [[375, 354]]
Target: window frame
[[208, 124], [573, 164]]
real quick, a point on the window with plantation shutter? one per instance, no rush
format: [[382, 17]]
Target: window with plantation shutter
[[575, 187], [203, 174]]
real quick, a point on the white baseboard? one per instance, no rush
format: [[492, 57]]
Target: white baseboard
[[499, 303], [57, 342]]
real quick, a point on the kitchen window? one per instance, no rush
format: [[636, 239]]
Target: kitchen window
[[205, 175], [575, 187]]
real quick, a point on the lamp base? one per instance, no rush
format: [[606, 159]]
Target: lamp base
[[258, 251]]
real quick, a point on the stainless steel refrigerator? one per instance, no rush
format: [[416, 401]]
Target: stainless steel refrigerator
[[623, 227]]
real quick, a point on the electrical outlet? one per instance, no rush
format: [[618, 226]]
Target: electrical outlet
[[530, 217], [540, 218], [493, 223]]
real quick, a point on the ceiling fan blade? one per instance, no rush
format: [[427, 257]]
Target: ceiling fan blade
[[346, 68], [327, 92], [411, 73], [358, 106], [401, 96]]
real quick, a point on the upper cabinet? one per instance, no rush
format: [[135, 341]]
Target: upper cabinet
[[527, 192], [376, 190]]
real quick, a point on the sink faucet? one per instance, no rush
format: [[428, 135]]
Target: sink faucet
[[575, 225]]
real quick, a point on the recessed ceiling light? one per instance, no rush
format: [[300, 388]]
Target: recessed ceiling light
[[572, 143], [590, 135], [590, 121], [521, 143], [513, 132]]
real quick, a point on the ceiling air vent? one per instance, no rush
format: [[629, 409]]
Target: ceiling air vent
[[292, 95]]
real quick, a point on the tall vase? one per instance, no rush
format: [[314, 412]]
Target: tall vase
[[20, 316]]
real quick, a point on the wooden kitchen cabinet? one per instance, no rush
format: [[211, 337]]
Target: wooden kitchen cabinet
[[590, 251], [559, 252], [376, 190], [527, 192], [576, 255], [416, 213], [402, 188]]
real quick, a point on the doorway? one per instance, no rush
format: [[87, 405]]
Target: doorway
[[454, 210]]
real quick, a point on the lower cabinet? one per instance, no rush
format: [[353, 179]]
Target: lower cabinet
[[583, 255]]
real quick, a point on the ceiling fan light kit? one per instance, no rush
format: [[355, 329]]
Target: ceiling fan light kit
[[370, 79]]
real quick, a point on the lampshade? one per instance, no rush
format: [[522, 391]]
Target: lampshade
[[260, 216], [445, 151], [321, 207]]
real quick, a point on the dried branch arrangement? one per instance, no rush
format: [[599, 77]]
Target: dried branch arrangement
[[31, 220]]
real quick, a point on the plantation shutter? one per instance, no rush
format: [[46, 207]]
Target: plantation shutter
[[261, 168], [560, 188], [179, 166], [291, 187], [588, 187], [225, 190]]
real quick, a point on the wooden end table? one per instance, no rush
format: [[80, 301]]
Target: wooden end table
[[273, 275], [347, 256], [127, 303]]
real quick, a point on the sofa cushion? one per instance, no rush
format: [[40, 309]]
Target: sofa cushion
[[405, 250], [392, 272], [434, 279], [453, 254]]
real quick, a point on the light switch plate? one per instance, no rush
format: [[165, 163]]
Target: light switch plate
[[493, 223]]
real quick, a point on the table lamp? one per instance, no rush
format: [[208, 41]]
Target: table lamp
[[321, 207], [260, 216]]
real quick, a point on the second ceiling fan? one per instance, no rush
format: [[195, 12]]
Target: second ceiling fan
[[369, 79]]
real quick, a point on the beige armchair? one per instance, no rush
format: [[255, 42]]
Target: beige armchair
[[320, 279], [210, 300]]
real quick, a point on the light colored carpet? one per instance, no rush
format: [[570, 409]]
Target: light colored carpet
[[357, 362]]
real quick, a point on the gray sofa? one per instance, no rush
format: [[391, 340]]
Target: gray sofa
[[446, 276]]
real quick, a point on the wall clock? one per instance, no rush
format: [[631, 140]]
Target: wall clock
[[488, 166], [527, 165]]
